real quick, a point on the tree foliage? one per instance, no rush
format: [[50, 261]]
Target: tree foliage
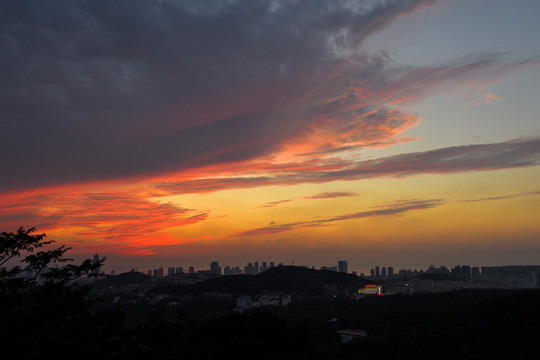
[[44, 268], [41, 304]]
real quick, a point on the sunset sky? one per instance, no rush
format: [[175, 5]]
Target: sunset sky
[[175, 133]]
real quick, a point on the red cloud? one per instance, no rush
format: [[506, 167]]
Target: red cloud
[[116, 220]]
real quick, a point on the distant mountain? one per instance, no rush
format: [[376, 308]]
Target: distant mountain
[[289, 279], [124, 279]]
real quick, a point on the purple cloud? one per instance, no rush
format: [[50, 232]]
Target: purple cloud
[[95, 90], [479, 157]]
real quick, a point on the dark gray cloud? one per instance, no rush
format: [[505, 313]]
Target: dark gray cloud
[[101, 90], [96, 90]]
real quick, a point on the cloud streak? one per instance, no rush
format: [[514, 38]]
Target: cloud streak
[[274, 203], [396, 208], [479, 157], [330, 195], [503, 197]]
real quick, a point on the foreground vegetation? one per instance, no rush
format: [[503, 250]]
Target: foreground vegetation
[[44, 312]]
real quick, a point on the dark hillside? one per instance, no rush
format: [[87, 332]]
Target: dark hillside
[[125, 279], [289, 279]]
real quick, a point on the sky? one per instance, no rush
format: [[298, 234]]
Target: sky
[[174, 133]]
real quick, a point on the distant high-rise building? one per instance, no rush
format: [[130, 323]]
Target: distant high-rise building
[[95, 261], [155, 273], [249, 269], [466, 272], [149, 272], [272, 264], [227, 270], [236, 270], [390, 271], [383, 272], [372, 271], [256, 267], [170, 271], [160, 272], [343, 266], [179, 270], [377, 272], [475, 273], [456, 272], [191, 270], [403, 273], [264, 266], [113, 273], [215, 268]]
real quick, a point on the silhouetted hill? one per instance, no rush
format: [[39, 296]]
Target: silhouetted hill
[[437, 277], [128, 278], [279, 279]]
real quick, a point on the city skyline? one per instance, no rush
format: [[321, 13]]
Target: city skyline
[[176, 132], [431, 279], [377, 272]]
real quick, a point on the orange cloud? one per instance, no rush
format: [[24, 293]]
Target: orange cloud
[[489, 98]]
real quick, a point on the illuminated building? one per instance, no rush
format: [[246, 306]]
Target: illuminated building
[[351, 334], [371, 289]]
